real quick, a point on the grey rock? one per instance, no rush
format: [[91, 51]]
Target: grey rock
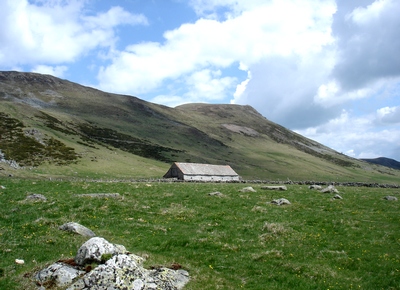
[[389, 197], [93, 249], [337, 196], [101, 195], [280, 201], [247, 189], [62, 274], [36, 197], [329, 189], [314, 186], [122, 271], [77, 229], [216, 193], [281, 187]]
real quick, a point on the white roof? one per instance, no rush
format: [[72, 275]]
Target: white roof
[[205, 169]]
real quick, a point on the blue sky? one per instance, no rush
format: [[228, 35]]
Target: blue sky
[[329, 70]]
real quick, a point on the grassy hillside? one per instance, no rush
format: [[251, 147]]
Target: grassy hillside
[[235, 241], [65, 129]]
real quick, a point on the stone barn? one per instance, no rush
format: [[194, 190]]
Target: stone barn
[[201, 172]]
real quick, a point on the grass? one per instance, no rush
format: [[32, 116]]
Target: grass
[[238, 241]]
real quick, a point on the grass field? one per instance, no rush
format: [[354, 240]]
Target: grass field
[[236, 241]]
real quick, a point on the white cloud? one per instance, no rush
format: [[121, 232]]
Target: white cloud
[[358, 136], [276, 28], [55, 32], [57, 71]]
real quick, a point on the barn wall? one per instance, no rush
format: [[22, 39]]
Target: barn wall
[[209, 177]]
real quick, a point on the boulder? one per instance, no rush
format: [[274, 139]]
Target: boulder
[[118, 270], [314, 186], [60, 273], [337, 196], [216, 193], [36, 197], [329, 189], [281, 187], [247, 189], [95, 248], [77, 229], [280, 201], [101, 195], [389, 197]]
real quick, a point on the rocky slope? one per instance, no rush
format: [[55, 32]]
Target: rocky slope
[[59, 127]]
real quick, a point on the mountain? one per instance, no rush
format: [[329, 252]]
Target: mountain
[[384, 162], [53, 127]]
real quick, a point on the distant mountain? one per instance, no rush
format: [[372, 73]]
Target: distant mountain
[[54, 127], [384, 162]]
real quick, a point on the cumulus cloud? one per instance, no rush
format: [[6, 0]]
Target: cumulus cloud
[[270, 29], [55, 32], [57, 71], [358, 136]]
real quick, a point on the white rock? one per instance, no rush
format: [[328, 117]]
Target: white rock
[[19, 261]]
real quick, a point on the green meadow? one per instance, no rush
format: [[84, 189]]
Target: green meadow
[[235, 241]]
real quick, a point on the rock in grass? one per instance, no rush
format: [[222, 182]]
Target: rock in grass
[[36, 197], [216, 193], [101, 195], [95, 248], [280, 201], [247, 189], [281, 187], [121, 270], [337, 196], [59, 273], [329, 189], [77, 229], [314, 186], [389, 197]]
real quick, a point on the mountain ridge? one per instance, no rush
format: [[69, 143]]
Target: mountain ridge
[[120, 135]]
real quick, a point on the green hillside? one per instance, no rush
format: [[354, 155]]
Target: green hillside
[[56, 128]]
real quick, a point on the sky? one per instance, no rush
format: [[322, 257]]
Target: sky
[[326, 69]]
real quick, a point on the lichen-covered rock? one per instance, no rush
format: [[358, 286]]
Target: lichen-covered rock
[[329, 189], [59, 273], [280, 201], [389, 197], [94, 249], [77, 229], [247, 189], [271, 187], [120, 271], [36, 197], [123, 272]]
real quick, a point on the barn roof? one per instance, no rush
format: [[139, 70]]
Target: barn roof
[[205, 169]]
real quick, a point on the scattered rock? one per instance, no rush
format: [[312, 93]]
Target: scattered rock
[[101, 195], [94, 248], [1, 186], [36, 197], [60, 273], [329, 189], [280, 201], [389, 197], [247, 189], [78, 229], [121, 270], [314, 186], [282, 187], [337, 196], [19, 261], [216, 193]]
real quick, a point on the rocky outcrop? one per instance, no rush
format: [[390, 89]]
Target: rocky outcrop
[[77, 229], [100, 264]]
